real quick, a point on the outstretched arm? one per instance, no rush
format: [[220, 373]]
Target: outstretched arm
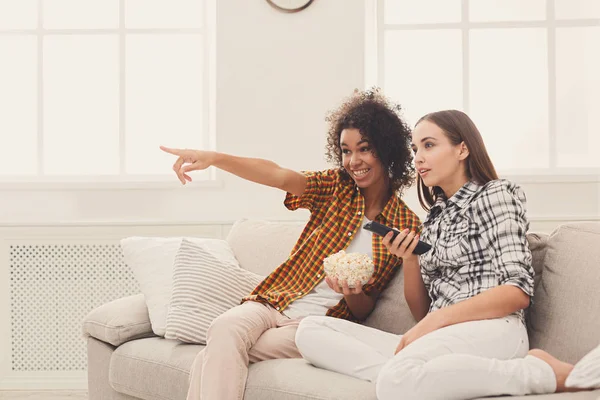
[[256, 170]]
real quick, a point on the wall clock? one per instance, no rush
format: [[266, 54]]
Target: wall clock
[[290, 6]]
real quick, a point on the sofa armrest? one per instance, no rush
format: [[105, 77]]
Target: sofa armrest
[[119, 321]]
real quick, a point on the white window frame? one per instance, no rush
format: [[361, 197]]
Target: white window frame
[[375, 28], [123, 180]]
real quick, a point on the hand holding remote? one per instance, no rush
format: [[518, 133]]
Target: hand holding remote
[[402, 244], [395, 240]]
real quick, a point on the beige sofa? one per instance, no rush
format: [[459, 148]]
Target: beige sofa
[[126, 361]]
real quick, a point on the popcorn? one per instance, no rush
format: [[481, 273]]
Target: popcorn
[[350, 267]]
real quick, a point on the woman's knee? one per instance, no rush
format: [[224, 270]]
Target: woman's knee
[[225, 327], [306, 333]]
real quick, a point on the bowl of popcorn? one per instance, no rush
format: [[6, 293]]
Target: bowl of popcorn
[[349, 267]]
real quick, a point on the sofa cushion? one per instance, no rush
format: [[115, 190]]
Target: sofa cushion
[[152, 369], [204, 287], [261, 246], [391, 313], [563, 319], [296, 379], [158, 369], [537, 244], [553, 396], [119, 321], [151, 261]]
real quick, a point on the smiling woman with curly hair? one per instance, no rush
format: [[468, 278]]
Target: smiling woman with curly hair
[[379, 121], [368, 143]]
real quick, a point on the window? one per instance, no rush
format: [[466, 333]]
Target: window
[[91, 88], [525, 71]]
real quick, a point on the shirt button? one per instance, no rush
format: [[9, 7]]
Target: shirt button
[[277, 308], [360, 213], [299, 293], [349, 233], [319, 275]]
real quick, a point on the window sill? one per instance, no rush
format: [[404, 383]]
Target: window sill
[[537, 177], [107, 185]]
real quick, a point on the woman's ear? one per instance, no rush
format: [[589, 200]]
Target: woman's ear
[[464, 151]]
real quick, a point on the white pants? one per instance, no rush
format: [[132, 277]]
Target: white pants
[[462, 361]]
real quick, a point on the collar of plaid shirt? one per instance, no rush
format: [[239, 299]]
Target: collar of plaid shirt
[[329, 230], [461, 198]]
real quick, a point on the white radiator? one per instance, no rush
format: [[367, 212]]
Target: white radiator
[[50, 279]]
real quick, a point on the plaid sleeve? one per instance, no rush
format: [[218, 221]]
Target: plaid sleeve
[[507, 225], [413, 223], [320, 186]]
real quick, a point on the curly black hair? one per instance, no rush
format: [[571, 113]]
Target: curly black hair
[[379, 121]]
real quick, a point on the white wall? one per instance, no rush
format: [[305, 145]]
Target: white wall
[[277, 75]]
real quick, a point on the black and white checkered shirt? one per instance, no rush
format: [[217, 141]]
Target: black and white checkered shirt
[[478, 239]]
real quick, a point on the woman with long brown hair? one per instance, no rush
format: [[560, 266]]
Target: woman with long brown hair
[[468, 292]]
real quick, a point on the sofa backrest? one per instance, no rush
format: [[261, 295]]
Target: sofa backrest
[[261, 246], [392, 313], [565, 316]]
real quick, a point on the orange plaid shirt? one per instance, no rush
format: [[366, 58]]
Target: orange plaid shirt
[[337, 209]]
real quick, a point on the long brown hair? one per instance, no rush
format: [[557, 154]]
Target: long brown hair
[[458, 127]]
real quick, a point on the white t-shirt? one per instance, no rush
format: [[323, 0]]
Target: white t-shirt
[[322, 297]]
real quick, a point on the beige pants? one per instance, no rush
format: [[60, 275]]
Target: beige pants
[[250, 332]]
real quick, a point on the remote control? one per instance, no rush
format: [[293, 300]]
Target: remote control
[[383, 230]]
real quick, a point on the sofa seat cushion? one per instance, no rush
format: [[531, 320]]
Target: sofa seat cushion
[[158, 369], [153, 369], [563, 319], [554, 396], [296, 379]]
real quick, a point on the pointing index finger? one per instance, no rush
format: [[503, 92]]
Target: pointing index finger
[[169, 150]]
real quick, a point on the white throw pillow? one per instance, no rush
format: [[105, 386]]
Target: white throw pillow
[[586, 374], [205, 285], [151, 261]]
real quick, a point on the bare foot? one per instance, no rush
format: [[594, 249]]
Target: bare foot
[[561, 369]]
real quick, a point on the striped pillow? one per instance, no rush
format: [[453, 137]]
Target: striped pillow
[[204, 287], [586, 374]]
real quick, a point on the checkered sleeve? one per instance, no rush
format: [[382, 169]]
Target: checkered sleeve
[[320, 187], [409, 220], [507, 225]]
